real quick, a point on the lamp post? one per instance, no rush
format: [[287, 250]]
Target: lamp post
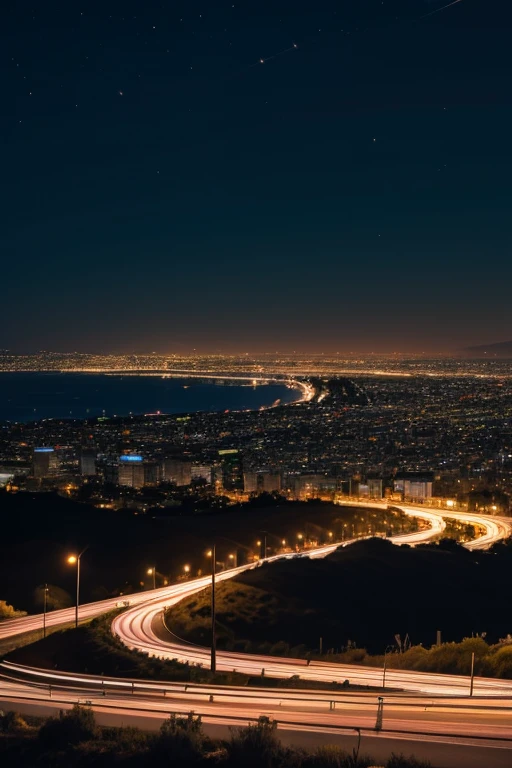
[[152, 572], [186, 569], [388, 649], [45, 606], [213, 665], [234, 559], [75, 560]]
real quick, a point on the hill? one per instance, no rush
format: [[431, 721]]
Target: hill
[[363, 594], [500, 349]]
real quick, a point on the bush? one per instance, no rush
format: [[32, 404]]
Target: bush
[[8, 612], [126, 739], [332, 756], [11, 722], [256, 746], [501, 662], [70, 728], [181, 740], [399, 761]]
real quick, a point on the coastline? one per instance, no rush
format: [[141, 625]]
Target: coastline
[[155, 401]]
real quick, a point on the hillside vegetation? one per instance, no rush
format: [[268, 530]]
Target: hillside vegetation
[[362, 596]]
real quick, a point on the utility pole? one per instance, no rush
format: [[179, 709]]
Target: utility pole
[[471, 685], [213, 665]]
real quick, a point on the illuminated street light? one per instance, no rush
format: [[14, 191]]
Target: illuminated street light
[[283, 542], [330, 534], [186, 568], [152, 572], [75, 560], [234, 559]]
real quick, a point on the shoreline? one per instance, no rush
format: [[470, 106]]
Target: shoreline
[[305, 391]]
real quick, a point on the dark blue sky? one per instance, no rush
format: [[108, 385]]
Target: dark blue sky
[[164, 190]]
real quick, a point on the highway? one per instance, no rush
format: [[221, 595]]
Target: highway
[[459, 731], [431, 710], [33, 622]]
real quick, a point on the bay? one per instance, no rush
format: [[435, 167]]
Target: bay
[[32, 396]]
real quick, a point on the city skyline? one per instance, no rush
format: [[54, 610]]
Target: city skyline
[[267, 176]]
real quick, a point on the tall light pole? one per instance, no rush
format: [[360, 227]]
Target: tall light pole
[[388, 649], [45, 606], [234, 559], [152, 572], [72, 560], [213, 665]]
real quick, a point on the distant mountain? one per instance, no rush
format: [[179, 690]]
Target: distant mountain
[[501, 349]]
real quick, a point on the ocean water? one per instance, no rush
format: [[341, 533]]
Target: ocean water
[[30, 396]]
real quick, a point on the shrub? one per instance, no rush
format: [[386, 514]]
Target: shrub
[[126, 739], [399, 761], [11, 722], [8, 612], [70, 728], [256, 746], [329, 756], [501, 662], [181, 740]]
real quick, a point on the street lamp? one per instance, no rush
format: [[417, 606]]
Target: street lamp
[[234, 559], [152, 572], [75, 560], [213, 664], [388, 649], [45, 606], [186, 569]]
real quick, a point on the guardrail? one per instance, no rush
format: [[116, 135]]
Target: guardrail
[[102, 685], [281, 724]]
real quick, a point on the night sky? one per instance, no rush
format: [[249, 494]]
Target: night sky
[[255, 176]]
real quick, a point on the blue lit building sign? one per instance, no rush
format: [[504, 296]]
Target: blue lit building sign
[[43, 450], [132, 457]]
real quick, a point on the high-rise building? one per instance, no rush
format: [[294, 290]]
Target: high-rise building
[[201, 472], [414, 486], [177, 471], [262, 482], [232, 470], [375, 488], [45, 462], [131, 470], [152, 472], [88, 461]]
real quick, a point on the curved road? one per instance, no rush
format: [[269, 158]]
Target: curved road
[[304, 716]]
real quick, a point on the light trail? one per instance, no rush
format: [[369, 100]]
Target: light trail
[[431, 710]]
